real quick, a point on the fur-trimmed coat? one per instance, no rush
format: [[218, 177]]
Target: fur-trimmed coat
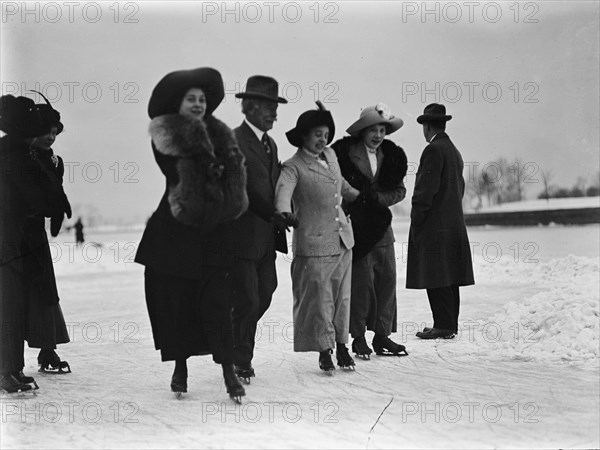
[[370, 214], [205, 191]]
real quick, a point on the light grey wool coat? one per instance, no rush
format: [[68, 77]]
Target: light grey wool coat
[[322, 243]]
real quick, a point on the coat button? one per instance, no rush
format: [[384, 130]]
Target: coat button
[[337, 219]]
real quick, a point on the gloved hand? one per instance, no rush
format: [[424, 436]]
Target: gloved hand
[[292, 219], [68, 211], [55, 224], [367, 196], [283, 221]]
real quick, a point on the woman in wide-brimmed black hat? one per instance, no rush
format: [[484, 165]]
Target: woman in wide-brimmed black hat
[[186, 247], [376, 166], [46, 325], [25, 189], [322, 246]]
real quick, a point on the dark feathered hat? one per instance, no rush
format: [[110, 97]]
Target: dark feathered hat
[[311, 119], [50, 116], [20, 117]]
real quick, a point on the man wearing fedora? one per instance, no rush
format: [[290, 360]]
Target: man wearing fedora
[[439, 255], [260, 231]]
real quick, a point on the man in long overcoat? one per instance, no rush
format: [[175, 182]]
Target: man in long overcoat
[[439, 255], [255, 278]]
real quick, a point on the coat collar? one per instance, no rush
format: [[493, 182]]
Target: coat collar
[[440, 135], [358, 156], [314, 166]]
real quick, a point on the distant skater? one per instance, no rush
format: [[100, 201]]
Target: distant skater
[[79, 240]]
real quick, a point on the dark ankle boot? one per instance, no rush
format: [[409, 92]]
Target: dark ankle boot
[[179, 378], [234, 388]]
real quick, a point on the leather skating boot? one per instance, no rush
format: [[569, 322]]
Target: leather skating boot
[[344, 360], [179, 378], [325, 362], [361, 349], [384, 346], [234, 388]]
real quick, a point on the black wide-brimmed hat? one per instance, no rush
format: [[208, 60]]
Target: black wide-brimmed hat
[[434, 113], [20, 117], [307, 121], [169, 91], [262, 88], [50, 116]]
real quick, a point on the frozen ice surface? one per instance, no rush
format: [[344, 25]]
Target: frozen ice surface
[[523, 372]]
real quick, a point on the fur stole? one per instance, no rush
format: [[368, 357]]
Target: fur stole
[[370, 220], [209, 183]]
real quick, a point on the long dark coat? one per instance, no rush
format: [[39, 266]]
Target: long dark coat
[[24, 190], [439, 254], [187, 246], [45, 322]]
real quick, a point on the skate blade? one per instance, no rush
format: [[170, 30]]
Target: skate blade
[[386, 353], [58, 371], [21, 393], [348, 368], [237, 399], [245, 380], [364, 357], [178, 395]]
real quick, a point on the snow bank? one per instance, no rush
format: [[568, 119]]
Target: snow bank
[[561, 323]]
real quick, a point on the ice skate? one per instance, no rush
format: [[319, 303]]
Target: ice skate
[[344, 360], [24, 379], [361, 349], [244, 372], [384, 346], [179, 379], [325, 362], [10, 385], [50, 362], [234, 388]]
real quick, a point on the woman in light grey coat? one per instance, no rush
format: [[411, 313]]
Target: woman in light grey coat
[[322, 240]]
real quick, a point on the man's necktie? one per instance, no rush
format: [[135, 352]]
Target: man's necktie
[[265, 141]]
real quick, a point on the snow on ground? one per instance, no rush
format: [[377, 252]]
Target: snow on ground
[[522, 373], [541, 204]]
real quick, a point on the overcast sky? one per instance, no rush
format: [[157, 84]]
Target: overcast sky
[[520, 79]]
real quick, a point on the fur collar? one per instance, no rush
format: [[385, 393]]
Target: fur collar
[[179, 136]]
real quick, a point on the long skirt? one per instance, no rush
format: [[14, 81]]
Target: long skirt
[[374, 292], [44, 322], [321, 288], [191, 316]]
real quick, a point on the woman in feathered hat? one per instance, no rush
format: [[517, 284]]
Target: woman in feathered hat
[[24, 189], [376, 167], [45, 322], [186, 248], [322, 240]]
